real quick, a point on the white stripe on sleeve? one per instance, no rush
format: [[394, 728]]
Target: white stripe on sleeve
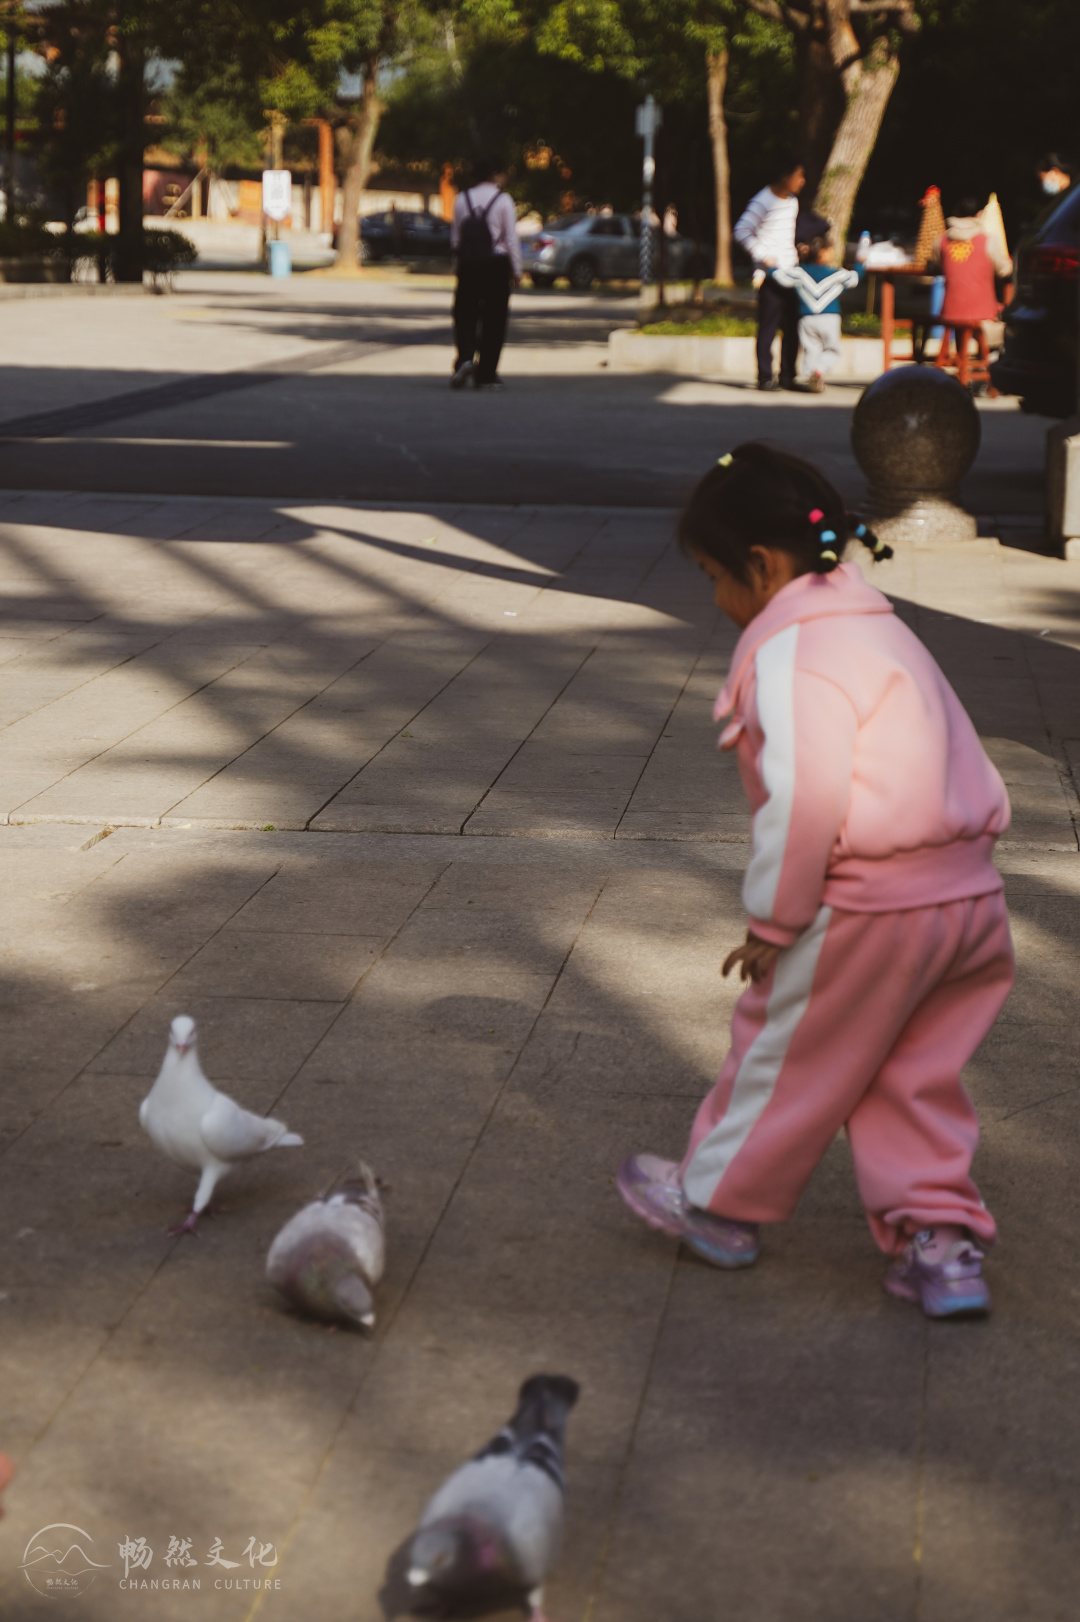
[[774, 667], [762, 1063]]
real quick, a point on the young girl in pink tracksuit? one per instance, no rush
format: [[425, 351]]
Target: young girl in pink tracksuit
[[878, 952]]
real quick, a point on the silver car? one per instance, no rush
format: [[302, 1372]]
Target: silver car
[[596, 247]]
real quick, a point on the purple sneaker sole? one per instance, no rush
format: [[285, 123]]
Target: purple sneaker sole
[[649, 1187]]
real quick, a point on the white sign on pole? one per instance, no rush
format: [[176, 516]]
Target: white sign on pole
[[277, 193]]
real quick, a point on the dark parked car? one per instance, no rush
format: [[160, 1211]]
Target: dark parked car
[[1039, 360], [596, 247], [403, 234]]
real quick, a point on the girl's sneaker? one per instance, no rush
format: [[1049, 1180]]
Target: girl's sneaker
[[651, 1188], [947, 1283]]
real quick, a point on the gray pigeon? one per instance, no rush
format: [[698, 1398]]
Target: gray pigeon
[[329, 1257], [198, 1127], [498, 1521]]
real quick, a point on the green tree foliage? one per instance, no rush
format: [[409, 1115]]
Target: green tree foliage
[[76, 106], [552, 93], [301, 61], [214, 118]]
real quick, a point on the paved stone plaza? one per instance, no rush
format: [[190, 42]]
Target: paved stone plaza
[[414, 805]]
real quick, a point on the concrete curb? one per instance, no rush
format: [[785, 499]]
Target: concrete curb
[[631, 351], [10, 290]]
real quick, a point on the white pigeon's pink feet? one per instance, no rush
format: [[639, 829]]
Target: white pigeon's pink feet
[[187, 1226]]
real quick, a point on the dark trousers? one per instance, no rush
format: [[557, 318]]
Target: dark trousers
[[777, 309], [480, 306]]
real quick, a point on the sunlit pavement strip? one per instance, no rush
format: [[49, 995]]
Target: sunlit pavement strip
[[418, 814]]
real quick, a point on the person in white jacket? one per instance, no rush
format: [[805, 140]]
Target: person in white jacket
[[766, 229]]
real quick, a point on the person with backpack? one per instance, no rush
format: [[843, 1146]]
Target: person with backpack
[[487, 252]]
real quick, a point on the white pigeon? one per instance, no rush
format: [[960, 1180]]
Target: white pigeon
[[329, 1257], [198, 1127], [496, 1524]]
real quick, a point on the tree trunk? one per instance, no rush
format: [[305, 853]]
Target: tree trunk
[[132, 97], [716, 69], [357, 168], [868, 83], [821, 105]]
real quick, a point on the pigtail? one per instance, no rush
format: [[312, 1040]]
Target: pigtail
[[829, 547], [862, 532], [758, 495]]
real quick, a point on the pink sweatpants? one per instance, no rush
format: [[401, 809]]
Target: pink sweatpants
[[865, 1022]]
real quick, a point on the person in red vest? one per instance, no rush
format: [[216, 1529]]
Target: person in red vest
[[969, 259]]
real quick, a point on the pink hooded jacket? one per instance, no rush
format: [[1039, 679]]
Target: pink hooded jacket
[[869, 787]]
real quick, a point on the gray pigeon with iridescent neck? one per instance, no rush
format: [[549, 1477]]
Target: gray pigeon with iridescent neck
[[497, 1523], [328, 1258]]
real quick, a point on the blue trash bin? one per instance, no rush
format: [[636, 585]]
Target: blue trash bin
[[279, 258]]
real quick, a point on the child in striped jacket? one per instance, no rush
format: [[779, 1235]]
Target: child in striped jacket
[[878, 953], [819, 284]]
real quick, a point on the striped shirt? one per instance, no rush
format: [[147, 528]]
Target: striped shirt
[[766, 228]]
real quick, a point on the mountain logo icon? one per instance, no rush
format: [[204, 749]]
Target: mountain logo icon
[[59, 1565]]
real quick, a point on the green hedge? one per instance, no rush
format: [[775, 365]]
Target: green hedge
[[164, 251], [27, 238]]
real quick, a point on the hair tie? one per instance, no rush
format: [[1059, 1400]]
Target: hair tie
[[826, 539], [725, 460]]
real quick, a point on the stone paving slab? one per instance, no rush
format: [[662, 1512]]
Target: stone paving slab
[[494, 1000], [523, 1012], [516, 671]]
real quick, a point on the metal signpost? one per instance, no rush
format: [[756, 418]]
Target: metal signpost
[[649, 119], [277, 206]]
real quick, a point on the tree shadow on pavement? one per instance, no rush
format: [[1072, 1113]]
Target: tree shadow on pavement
[[496, 1021]]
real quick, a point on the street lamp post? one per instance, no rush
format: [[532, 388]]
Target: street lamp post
[[649, 119], [9, 135]]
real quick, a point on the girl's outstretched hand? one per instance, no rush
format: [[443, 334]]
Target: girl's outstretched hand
[[754, 957]]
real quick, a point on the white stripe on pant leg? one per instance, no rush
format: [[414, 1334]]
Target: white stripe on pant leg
[[761, 1065]]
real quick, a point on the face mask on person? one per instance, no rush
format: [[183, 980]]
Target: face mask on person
[[1052, 184]]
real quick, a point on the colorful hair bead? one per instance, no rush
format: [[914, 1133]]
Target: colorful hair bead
[[725, 460], [816, 515]]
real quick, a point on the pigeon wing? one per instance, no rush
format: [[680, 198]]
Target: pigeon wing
[[232, 1133]]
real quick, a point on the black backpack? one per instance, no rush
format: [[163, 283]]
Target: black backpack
[[475, 246]]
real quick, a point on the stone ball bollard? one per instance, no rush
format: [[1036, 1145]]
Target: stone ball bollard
[[915, 433]]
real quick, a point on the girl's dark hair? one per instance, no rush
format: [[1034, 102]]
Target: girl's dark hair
[[759, 496]]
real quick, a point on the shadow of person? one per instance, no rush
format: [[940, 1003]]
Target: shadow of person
[[397, 1596]]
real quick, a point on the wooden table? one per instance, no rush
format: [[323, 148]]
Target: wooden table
[[888, 313]]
